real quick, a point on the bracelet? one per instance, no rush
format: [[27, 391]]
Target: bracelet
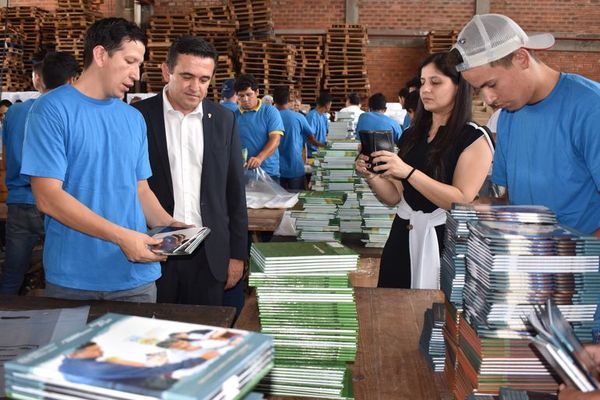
[[410, 173]]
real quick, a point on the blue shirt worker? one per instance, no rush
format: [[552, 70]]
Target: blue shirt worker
[[86, 153], [317, 118], [228, 95], [376, 120], [297, 133], [548, 146], [260, 126], [24, 223]]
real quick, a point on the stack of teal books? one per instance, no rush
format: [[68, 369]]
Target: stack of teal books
[[125, 357], [307, 304], [377, 219], [316, 215]]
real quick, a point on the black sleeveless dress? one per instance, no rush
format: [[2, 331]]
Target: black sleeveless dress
[[394, 270]]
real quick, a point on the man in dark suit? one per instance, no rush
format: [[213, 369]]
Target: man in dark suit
[[197, 174]]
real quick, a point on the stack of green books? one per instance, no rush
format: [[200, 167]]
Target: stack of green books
[[316, 215], [307, 304], [377, 220]]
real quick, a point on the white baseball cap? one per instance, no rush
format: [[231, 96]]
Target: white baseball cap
[[489, 37]]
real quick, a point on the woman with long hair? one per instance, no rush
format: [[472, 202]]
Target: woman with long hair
[[442, 159]]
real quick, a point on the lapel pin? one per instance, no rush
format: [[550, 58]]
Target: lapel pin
[[209, 115]]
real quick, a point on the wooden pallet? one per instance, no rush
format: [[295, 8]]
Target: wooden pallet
[[440, 41]]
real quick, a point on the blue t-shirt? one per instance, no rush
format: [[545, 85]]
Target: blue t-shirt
[[230, 105], [297, 131], [255, 127], [320, 126], [406, 122], [377, 121], [548, 153], [13, 134], [99, 150]]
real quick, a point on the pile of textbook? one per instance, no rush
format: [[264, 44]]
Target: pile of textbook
[[316, 215], [124, 357], [307, 304]]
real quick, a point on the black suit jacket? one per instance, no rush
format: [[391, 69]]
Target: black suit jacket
[[223, 195]]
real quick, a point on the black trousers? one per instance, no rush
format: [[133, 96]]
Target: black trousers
[[394, 270], [188, 280]]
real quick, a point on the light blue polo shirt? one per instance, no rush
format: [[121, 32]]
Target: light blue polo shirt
[[13, 134], [297, 131], [320, 126], [99, 150], [230, 105], [548, 153], [377, 121], [255, 126]]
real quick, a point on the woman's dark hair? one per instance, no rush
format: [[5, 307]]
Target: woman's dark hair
[[460, 115]]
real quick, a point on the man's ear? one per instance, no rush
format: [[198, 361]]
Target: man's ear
[[521, 58], [100, 55], [165, 72]]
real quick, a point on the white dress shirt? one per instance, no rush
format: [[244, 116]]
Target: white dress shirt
[[185, 146]]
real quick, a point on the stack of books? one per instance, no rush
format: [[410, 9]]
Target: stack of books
[[432, 337], [316, 215], [377, 219], [307, 304], [125, 357], [511, 267]]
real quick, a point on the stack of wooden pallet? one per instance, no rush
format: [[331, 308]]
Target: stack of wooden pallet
[[30, 22], [254, 17], [73, 18], [346, 62], [272, 64], [217, 26], [11, 60], [309, 64], [162, 30], [440, 41]]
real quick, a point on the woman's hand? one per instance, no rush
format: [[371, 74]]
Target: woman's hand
[[391, 165], [361, 165]]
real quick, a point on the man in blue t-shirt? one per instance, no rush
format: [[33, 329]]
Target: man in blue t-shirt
[[86, 154], [260, 127], [376, 120], [24, 223], [548, 146], [317, 118], [228, 96], [297, 132]]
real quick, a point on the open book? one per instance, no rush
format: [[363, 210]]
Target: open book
[[177, 241], [558, 344]]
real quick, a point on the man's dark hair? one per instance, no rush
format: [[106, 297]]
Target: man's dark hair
[[377, 102], [58, 67], [353, 98], [191, 45], [323, 99], [36, 66], [412, 101], [403, 92], [281, 95], [244, 82], [110, 33], [414, 82], [6, 103]]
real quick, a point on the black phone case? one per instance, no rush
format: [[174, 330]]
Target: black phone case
[[373, 141]]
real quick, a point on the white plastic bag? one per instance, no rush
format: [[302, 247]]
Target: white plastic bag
[[264, 192]]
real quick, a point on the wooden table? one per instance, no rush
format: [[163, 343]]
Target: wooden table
[[264, 219], [207, 315], [389, 364]]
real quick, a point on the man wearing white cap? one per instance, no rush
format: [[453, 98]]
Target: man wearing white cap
[[548, 146]]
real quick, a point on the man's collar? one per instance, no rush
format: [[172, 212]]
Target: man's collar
[[167, 107], [254, 109]]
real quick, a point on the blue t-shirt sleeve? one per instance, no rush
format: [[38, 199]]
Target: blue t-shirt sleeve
[[499, 165], [274, 121], [44, 153], [587, 142], [143, 169], [397, 131]]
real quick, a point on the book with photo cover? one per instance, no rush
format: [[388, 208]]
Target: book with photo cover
[[177, 241], [559, 346]]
